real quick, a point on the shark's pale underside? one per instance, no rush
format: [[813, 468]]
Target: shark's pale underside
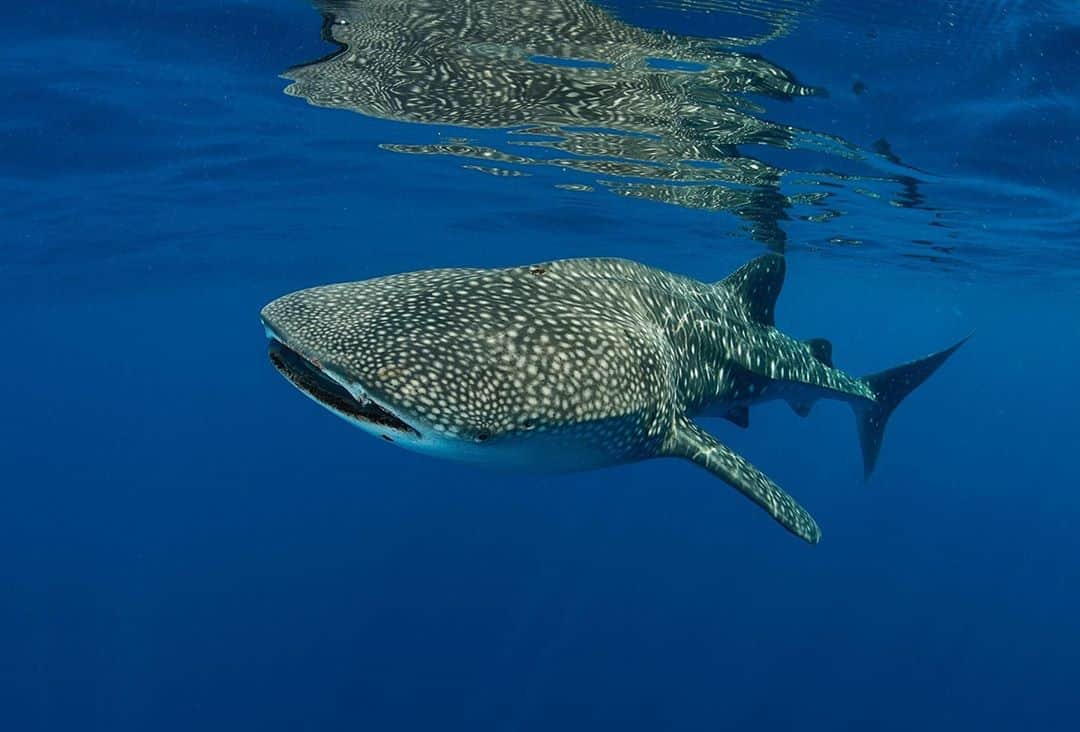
[[570, 365]]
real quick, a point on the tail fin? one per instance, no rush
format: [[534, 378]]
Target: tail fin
[[890, 387]]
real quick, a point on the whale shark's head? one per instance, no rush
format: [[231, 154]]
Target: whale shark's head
[[401, 357]]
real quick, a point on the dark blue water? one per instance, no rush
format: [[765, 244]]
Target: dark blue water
[[187, 543]]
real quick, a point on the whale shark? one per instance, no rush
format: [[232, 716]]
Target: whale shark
[[572, 365]]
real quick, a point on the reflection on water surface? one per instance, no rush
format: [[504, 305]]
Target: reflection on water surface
[[644, 114]]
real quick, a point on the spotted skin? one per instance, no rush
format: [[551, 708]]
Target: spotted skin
[[565, 365]]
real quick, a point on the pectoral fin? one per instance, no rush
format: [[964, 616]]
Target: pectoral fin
[[689, 441]]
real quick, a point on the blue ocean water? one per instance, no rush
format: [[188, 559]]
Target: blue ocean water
[[188, 543]]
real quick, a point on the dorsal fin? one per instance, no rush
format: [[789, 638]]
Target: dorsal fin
[[821, 350], [757, 283]]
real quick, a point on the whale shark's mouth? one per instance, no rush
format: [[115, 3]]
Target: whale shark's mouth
[[311, 379]]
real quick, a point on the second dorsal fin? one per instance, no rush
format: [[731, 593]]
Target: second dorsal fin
[[757, 283]]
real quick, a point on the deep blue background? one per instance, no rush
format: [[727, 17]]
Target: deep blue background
[[187, 543]]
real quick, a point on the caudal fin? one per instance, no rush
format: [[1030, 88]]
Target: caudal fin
[[890, 387]]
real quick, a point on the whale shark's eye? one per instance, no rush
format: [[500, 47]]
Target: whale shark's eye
[[482, 436]]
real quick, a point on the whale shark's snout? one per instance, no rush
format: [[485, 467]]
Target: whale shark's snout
[[307, 347], [310, 378], [401, 357]]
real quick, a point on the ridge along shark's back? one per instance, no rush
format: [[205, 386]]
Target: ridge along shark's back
[[570, 365]]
